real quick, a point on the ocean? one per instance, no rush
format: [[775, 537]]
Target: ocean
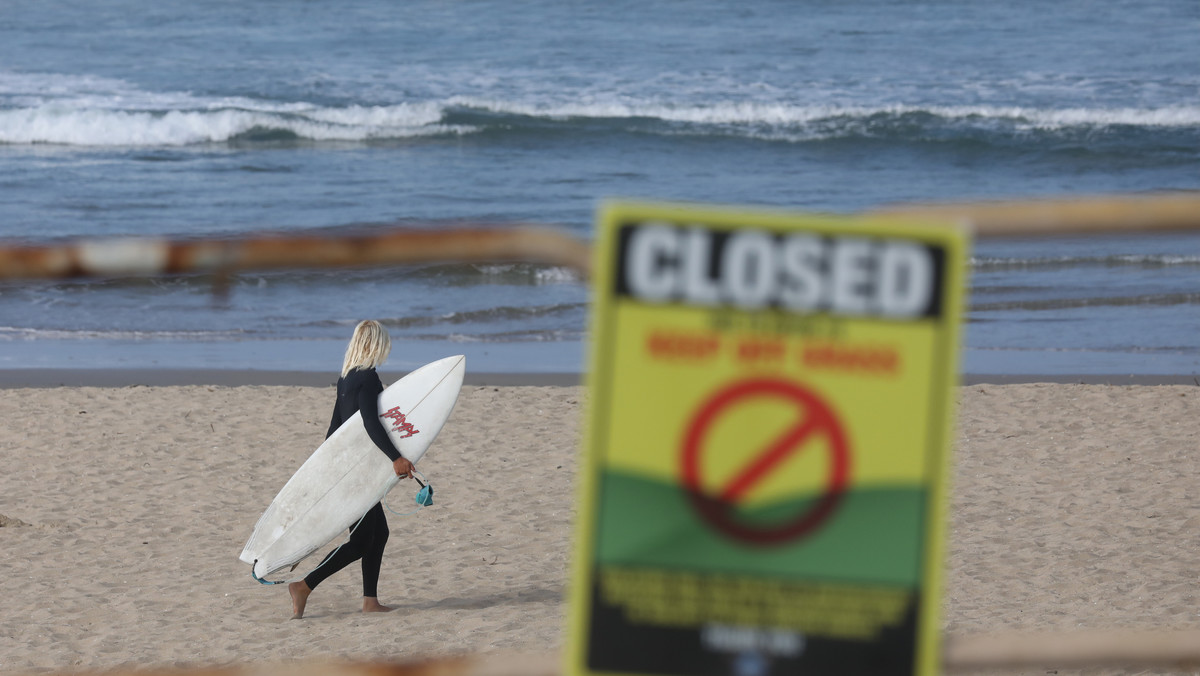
[[223, 118]]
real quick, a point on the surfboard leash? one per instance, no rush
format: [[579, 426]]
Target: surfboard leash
[[424, 496]]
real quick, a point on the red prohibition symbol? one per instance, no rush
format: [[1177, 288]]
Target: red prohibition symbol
[[815, 420]]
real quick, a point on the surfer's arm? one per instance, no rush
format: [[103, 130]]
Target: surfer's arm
[[368, 405], [335, 422]]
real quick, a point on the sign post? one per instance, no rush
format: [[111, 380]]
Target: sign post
[[766, 453]]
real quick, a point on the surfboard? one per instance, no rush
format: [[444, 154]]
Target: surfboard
[[348, 474]]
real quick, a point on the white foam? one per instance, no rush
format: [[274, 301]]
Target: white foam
[[17, 333], [785, 114], [94, 111], [56, 124], [539, 275], [557, 275]]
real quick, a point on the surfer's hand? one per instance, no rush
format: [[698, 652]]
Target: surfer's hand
[[403, 467]]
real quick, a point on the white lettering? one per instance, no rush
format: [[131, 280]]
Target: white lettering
[[748, 269], [852, 276], [801, 272], [906, 279], [775, 642], [653, 251], [803, 285], [699, 287]]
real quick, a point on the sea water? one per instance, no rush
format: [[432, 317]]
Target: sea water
[[222, 119]]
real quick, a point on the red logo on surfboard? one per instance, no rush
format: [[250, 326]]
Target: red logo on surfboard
[[399, 424]]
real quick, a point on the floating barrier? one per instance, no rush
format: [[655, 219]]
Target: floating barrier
[[540, 244], [156, 256]]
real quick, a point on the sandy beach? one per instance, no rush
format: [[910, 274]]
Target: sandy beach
[[123, 509]]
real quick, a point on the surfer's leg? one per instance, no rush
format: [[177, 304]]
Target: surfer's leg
[[372, 560], [343, 556], [299, 592], [334, 561], [372, 605]]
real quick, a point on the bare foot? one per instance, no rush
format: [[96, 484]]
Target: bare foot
[[372, 605], [299, 591]]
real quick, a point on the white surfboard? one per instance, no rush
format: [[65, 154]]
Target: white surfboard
[[348, 473]]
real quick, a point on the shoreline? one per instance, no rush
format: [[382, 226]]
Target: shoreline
[[172, 377], [155, 377]]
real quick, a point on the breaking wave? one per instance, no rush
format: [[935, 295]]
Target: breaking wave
[[84, 111]]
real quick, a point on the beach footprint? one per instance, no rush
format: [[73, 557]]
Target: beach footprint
[[10, 522]]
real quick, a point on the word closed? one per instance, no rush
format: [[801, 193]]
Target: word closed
[[799, 272]]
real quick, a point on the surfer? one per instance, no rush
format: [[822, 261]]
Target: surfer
[[358, 390]]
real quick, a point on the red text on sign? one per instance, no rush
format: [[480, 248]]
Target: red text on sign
[[761, 350], [675, 345], [869, 360], [399, 424]]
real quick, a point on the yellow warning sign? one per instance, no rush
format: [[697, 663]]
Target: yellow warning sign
[[764, 470]]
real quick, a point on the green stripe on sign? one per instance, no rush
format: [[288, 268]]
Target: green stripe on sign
[[873, 536]]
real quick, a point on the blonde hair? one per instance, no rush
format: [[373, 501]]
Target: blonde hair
[[369, 347]]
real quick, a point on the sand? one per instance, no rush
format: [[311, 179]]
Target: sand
[[123, 509]]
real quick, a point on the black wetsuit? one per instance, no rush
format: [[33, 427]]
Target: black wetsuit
[[359, 391]]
